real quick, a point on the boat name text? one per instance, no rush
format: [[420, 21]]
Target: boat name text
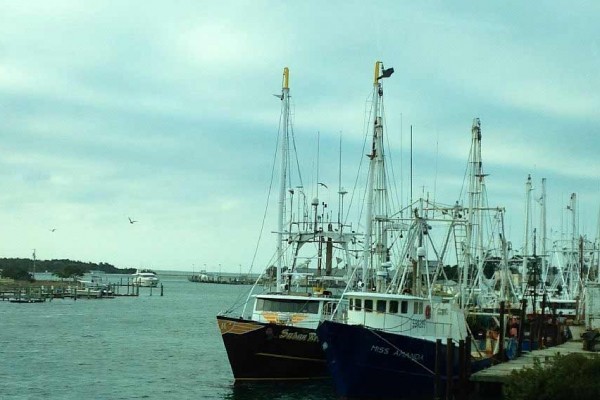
[[397, 353], [301, 337]]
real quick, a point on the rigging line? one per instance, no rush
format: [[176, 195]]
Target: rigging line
[[293, 136], [401, 161], [340, 195], [398, 349], [366, 121], [250, 291], [466, 174], [396, 202], [262, 225], [437, 155]]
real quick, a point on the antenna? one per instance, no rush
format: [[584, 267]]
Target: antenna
[[340, 183], [411, 165], [437, 156], [318, 149]]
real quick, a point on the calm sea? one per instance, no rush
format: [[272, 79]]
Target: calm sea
[[146, 347]]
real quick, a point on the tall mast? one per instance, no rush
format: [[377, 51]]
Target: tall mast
[[544, 232], [525, 254], [573, 270], [475, 178], [597, 249], [376, 182], [284, 143]]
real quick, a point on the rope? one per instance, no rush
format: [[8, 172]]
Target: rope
[[392, 345]]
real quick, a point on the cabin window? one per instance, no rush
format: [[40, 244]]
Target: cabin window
[[351, 304], [404, 307], [291, 306], [381, 305], [418, 307], [394, 306], [368, 305], [357, 304]]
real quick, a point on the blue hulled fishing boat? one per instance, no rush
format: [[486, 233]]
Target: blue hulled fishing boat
[[405, 330]]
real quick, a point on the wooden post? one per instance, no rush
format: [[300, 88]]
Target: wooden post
[[542, 325], [161, 289], [461, 370], [500, 356], [468, 357], [521, 327], [438, 367], [449, 367]]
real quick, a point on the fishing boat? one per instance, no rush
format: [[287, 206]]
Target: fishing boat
[[276, 340], [405, 319], [145, 278]]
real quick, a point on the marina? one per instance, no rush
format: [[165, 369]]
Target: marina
[[299, 201], [38, 293], [434, 295]]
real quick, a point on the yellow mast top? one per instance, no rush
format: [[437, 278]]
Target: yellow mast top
[[286, 77], [376, 74]]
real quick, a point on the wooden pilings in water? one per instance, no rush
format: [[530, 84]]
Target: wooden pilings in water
[[32, 293], [456, 384]]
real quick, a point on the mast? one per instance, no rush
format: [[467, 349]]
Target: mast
[[572, 263], [597, 249], [376, 192], [525, 254], [544, 232], [285, 108], [475, 177]]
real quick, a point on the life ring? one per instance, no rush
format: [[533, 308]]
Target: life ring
[[428, 312]]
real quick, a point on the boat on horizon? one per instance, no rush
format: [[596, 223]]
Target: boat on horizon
[[144, 278]]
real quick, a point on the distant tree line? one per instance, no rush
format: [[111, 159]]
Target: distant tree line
[[22, 268]]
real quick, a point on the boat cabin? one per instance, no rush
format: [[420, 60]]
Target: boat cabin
[[295, 310], [414, 315]]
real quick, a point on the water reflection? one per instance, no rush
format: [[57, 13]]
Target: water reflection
[[282, 391]]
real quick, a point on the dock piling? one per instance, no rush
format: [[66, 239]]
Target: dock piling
[[438, 367], [449, 369]]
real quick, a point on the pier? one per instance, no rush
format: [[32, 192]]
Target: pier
[[36, 293], [489, 382]]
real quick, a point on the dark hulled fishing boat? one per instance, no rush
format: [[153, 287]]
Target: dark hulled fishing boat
[[278, 340]]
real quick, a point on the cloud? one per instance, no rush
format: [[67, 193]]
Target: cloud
[[166, 113]]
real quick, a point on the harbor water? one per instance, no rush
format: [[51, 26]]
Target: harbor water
[[146, 347]]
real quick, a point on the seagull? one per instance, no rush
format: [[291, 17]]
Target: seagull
[[324, 185], [52, 230], [131, 221]]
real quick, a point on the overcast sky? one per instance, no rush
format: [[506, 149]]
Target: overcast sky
[[163, 112]]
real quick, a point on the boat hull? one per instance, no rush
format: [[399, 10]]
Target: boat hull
[[271, 352], [145, 282], [367, 363]]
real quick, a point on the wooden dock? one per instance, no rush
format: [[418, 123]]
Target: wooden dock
[[489, 383], [500, 373], [42, 293]]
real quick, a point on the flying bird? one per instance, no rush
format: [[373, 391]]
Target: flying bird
[[324, 185], [52, 230], [131, 221]]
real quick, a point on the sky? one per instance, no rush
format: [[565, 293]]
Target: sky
[[164, 112]]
